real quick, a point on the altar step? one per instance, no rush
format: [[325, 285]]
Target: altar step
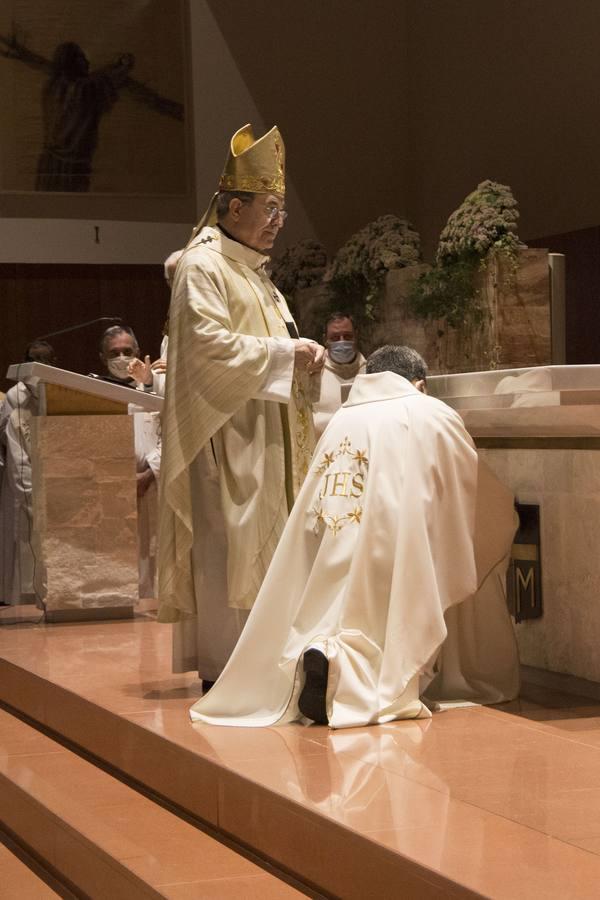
[[101, 838], [106, 690], [494, 802], [18, 881]]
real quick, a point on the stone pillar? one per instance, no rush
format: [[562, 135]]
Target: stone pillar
[[85, 515]]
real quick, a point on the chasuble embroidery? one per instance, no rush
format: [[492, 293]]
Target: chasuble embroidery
[[341, 487]]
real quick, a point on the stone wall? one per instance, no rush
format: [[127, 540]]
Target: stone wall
[[566, 485], [515, 332]]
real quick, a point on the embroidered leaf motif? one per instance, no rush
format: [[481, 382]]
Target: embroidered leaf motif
[[335, 523], [361, 458], [355, 515]]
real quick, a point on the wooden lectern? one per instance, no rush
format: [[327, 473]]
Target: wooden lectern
[[83, 492]]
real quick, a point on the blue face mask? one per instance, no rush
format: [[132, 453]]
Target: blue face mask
[[342, 351]]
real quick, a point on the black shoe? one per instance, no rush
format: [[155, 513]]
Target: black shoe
[[312, 700], [206, 685]]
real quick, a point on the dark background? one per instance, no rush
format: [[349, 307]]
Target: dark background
[[37, 299]]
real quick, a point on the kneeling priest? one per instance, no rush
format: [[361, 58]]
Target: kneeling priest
[[385, 597]]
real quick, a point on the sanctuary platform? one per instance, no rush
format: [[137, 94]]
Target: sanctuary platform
[[104, 781]]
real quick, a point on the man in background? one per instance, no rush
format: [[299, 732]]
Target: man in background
[[119, 354], [343, 362], [17, 562]]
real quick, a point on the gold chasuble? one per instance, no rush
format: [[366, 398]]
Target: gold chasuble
[[227, 328]]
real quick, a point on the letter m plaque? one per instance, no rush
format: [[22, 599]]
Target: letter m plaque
[[524, 576]]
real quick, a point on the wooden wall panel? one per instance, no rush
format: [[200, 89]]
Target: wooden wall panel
[[37, 299]]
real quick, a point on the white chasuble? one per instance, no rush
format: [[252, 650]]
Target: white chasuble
[[235, 412], [394, 527], [328, 386]]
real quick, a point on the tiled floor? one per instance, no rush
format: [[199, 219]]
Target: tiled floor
[[504, 801]]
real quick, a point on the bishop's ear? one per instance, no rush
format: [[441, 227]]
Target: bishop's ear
[[421, 385]]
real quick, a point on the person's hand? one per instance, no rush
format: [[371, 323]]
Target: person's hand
[[143, 481], [159, 366], [304, 355], [141, 371], [319, 360]]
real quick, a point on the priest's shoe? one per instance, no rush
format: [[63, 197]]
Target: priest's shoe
[[312, 699]]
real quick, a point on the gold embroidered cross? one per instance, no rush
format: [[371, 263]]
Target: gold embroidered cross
[[345, 447]]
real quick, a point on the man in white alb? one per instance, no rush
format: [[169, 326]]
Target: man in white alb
[[343, 362], [17, 558]]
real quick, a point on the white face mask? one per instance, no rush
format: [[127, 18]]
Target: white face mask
[[342, 351], [118, 366]]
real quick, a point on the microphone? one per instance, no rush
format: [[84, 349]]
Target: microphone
[[114, 319]]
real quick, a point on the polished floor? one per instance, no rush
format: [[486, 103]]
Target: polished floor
[[503, 802], [18, 882]]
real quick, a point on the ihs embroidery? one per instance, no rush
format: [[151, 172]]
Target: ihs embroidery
[[347, 482]]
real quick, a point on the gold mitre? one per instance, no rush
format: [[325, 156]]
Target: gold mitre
[[254, 166]]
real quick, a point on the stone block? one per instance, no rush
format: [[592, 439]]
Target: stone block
[[85, 510], [516, 330], [566, 485]]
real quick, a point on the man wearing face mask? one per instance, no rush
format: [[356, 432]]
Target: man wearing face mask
[[343, 363], [119, 352], [119, 348]]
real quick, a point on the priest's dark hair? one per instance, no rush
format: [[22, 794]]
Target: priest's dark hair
[[224, 198], [336, 316], [40, 351], [401, 360]]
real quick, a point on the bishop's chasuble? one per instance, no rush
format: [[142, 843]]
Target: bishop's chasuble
[[237, 430], [395, 550]]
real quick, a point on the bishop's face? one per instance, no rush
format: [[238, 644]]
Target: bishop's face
[[257, 222]]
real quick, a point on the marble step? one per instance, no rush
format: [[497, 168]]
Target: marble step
[[19, 882], [108, 689], [101, 838]]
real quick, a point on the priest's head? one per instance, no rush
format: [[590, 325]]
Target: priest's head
[[249, 203], [42, 352], [340, 338], [402, 361], [252, 219], [118, 347]]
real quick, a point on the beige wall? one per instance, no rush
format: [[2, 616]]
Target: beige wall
[[394, 106], [223, 102], [405, 105], [333, 75], [505, 89]]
